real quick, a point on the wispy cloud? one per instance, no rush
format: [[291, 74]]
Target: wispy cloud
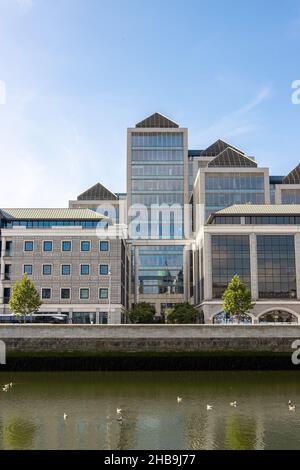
[[238, 122]]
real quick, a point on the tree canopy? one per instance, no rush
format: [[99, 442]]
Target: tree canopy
[[182, 313], [25, 299], [237, 298], [142, 312]]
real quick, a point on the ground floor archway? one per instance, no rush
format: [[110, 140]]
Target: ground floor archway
[[278, 316], [222, 318]]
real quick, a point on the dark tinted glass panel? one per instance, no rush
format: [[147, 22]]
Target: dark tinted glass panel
[[276, 266], [230, 256]]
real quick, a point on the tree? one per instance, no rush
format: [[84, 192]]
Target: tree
[[25, 299], [237, 298], [142, 313], [182, 313]]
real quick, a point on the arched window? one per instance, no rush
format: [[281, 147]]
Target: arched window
[[223, 318], [278, 316]]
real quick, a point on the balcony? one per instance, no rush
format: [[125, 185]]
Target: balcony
[[8, 253]]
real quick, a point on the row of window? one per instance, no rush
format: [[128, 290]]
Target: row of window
[[66, 269], [65, 293], [66, 246]]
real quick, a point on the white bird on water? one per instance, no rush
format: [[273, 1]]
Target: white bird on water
[[233, 404], [179, 399], [209, 407], [291, 406], [65, 416], [119, 411]]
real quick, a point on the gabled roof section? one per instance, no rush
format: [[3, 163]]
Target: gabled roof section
[[157, 120], [98, 192], [293, 177], [51, 214], [218, 147], [231, 158], [260, 209]]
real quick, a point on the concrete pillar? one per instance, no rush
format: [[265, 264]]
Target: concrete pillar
[[115, 316], [70, 316], [207, 265], [2, 258], [297, 259], [97, 316], [186, 272], [267, 187], [253, 266]]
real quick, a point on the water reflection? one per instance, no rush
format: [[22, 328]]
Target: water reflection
[[31, 414]]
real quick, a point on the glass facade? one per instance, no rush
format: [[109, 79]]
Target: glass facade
[[276, 266], [160, 269], [290, 196], [157, 175], [230, 256], [49, 223], [225, 189]]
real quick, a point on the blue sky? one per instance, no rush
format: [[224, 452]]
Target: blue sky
[[77, 73]]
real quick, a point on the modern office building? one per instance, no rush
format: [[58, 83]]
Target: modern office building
[[157, 193], [189, 221], [79, 266], [260, 243]]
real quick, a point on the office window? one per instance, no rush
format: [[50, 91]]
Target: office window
[[6, 294], [103, 269], [230, 256], [46, 293], [65, 293], [85, 246], [103, 293], [28, 246], [28, 269], [47, 269], [66, 269], [85, 269], [276, 267], [47, 246], [84, 294], [66, 246], [104, 246]]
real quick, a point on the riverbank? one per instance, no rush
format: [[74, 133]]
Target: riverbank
[[149, 347]]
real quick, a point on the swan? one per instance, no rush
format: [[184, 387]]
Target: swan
[[179, 399], [119, 411], [65, 416], [234, 404], [291, 406], [209, 407]]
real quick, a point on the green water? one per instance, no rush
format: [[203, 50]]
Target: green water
[[31, 412]]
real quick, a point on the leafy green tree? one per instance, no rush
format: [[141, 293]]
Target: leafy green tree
[[182, 313], [25, 299], [237, 298], [142, 312]]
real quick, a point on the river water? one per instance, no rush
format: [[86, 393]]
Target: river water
[[32, 411]]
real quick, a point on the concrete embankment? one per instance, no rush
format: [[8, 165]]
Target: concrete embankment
[[151, 347]]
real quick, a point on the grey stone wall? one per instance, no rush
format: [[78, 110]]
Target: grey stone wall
[[98, 339]]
